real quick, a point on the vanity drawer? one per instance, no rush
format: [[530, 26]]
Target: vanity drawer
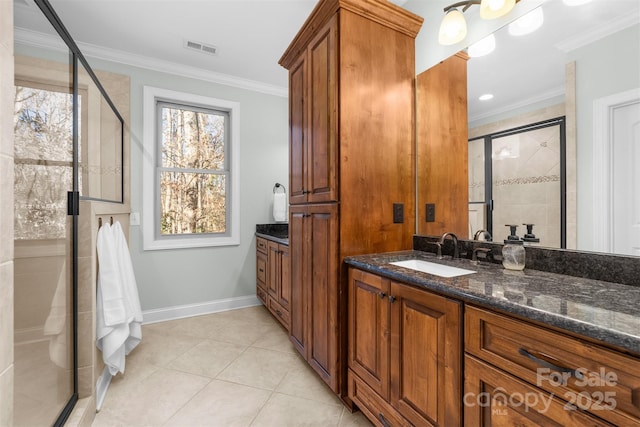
[[596, 379], [280, 313], [374, 407], [261, 268], [493, 398], [261, 293], [261, 244]]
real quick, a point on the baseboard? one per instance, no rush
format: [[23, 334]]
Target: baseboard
[[190, 310], [101, 387]]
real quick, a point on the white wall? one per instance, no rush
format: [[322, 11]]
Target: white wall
[[168, 278], [605, 67]]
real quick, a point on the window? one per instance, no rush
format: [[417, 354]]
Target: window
[[190, 180]]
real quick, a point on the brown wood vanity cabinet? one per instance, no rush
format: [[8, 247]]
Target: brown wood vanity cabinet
[[273, 279], [518, 373], [351, 158], [262, 249], [404, 353]]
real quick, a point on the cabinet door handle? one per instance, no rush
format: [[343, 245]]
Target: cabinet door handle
[[392, 299], [382, 295], [550, 365], [279, 313], [383, 420]]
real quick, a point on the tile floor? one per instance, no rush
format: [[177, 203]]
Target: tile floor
[[235, 368]]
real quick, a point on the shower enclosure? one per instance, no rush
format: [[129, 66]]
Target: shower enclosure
[[518, 176], [68, 146]]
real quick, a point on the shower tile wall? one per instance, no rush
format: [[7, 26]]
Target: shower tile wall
[[526, 184], [6, 213]]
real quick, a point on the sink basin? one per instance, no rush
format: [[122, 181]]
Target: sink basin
[[432, 268]]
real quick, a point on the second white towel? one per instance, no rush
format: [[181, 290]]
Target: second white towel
[[280, 207]]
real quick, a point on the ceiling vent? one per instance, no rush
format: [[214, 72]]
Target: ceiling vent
[[201, 47]]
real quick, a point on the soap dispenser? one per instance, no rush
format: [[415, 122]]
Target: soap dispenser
[[529, 237], [513, 255]]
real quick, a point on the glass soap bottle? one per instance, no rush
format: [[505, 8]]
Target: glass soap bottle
[[513, 254]]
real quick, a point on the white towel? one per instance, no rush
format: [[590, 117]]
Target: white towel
[[280, 207], [119, 316]]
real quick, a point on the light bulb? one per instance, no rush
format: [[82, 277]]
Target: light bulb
[[491, 9], [482, 47], [453, 28], [527, 23]]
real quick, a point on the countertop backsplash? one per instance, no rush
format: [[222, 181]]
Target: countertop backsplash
[[588, 265]]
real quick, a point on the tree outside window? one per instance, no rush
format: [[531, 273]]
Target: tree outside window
[[191, 166], [193, 173]]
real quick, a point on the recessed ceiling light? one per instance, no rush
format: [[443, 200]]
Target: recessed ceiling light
[[486, 97], [527, 23], [483, 47]]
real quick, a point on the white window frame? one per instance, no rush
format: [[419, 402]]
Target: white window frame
[[152, 240]]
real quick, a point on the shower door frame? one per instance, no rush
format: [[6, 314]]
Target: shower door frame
[[488, 170], [73, 197]]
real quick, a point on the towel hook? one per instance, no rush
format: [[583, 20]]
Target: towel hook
[[278, 185]]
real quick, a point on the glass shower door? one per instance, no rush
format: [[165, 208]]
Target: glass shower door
[[43, 243]]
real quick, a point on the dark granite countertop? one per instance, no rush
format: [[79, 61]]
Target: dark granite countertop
[[278, 232], [604, 311]]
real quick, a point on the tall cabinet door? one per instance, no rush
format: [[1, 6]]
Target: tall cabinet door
[[297, 123], [425, 356], [323, 297], [299, 285], [322, 126]]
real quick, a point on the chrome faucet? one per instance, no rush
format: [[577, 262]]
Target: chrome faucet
[[486, 251], [454, 238], [487, 235]]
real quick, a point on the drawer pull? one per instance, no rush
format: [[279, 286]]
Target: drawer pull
[[550, 365], [383, 420], [392, 299], [382, 295]]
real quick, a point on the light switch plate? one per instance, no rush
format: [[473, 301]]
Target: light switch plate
[[134, 218]]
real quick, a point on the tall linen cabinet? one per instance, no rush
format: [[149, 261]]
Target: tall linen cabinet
[[351, 159]]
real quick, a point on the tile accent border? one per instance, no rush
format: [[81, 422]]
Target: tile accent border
[[190, 310]]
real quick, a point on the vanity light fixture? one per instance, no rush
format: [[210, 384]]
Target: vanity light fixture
[[453, 28], [483, 47], [492, 9], [527, 23]]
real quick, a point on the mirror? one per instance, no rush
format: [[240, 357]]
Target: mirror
[[590, 65]]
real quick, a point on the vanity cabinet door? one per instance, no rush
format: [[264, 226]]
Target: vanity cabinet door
[[284, 293], [273, 269], [494, 398], [369, 329], [426, 353]]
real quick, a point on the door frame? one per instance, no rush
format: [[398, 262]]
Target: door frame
[[603, 138]]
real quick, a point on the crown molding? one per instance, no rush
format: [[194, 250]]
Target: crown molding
[[599, 32], [45, 41], [554, 92]]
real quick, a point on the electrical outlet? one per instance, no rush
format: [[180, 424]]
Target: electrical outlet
[[398, 213], [431, 212]]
